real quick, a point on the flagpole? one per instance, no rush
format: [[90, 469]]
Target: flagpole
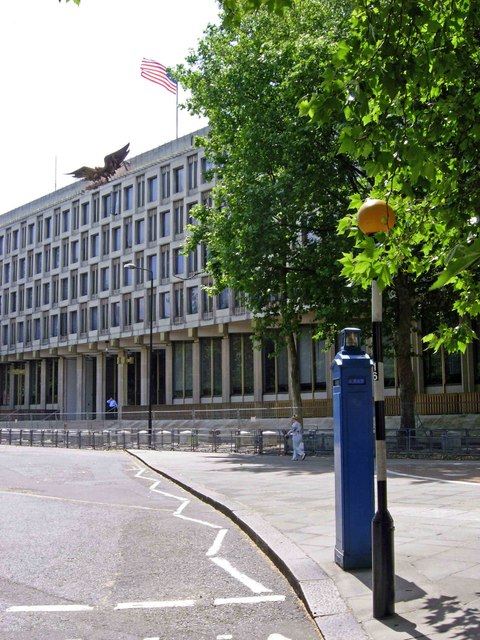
[[176, 113]]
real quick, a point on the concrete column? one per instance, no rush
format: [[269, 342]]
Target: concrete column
[[80, 387], [122, 385], [196, 371], [100, 395], [226, 368], [168, 373], [43, 383], [257, 376], [144, 376], [61, 385]]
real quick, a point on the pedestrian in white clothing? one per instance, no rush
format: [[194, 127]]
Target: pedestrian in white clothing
[[297, 439]]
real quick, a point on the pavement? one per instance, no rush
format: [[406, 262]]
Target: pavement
[[288, 509]]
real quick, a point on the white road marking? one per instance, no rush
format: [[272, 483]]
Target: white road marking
[[248, 600], [251, 584], [225, 636], [409, 475], [46, 608], [217, 544], [89, 502], [277, 636], [155, 604]]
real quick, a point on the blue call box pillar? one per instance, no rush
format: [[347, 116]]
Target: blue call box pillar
[[353, 452]]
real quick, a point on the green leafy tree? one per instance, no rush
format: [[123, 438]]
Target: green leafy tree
[[281, 188], [406, 82]]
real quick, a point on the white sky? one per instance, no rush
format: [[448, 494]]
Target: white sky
[[71, 88]]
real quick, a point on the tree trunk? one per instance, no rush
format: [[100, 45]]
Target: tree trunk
[[403, 349], [294, 377]]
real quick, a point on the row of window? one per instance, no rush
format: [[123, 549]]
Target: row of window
[[99, 244], [175, 303], [82, 214]]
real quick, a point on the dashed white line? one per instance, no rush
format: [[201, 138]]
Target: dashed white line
[[248, 600], [46, 608], [251, 584], [217, 543], [155, 604]]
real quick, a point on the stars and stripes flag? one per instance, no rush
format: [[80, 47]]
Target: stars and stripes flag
[[156, 72]]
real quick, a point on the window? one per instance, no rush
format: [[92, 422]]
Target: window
[[65, 247], [152, 265], [190, 218], [139, 309], [46, 293], [178, 302], [73, 321], [193, 172], [15, 240], [127, 311], [94, 281], [128, 197], [104, 315], [139, 231], [192, 262], [63, 324], [105, 241], [223, 299], [165, 177], [115, 314], [178, 261], [64, 289], [192, 300], [165, 224], [211, 367], [56, 257], [85, 213], [207, 168], [152, 189], [116, 239], [106, 205], [105, 278], [56, 222], [207, 300], [178, 218], [94, 245], [275, 368], [311, 356], [116, 274], [128, 234], [74, 285], [164, 263], [46, 259], [96, 208], [75, 215], [84, 246], [127, 277], [152, 225], [48, 228], [65, 221], [116, 201], [241, 364], [52, 381], [38, 263], [93, 318], [178, 179], [140, 191], [84, 284], [165, 304], [182, 369], [75, 251]]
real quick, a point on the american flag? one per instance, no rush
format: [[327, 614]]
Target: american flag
[[156, 72]]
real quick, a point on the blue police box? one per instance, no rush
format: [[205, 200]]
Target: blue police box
[[353, 410]]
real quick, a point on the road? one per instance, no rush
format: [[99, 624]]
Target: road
[[96, 546]]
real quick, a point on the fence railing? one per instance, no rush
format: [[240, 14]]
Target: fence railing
[[256, 441]]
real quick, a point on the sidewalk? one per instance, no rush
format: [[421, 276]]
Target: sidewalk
[[288, 509]]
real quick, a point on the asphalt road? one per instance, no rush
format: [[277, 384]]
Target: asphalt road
[[95, 546]]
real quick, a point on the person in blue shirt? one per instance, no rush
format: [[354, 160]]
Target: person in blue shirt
[[297, 439]]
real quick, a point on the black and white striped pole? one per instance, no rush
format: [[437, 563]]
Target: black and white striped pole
[[375, 216]]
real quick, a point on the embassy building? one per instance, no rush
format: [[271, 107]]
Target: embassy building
[[75, 319]]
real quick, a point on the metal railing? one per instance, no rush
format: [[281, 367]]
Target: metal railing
[[254, 441]]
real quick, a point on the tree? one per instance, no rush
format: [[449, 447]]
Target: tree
[[406, 80], [281, 188]]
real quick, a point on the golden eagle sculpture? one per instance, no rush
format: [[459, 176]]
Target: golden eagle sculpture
[[101, 175]]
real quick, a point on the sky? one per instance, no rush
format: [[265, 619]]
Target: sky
[[72, 90]]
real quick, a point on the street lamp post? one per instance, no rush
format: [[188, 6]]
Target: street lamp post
[[130, 265], [375, 216]]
